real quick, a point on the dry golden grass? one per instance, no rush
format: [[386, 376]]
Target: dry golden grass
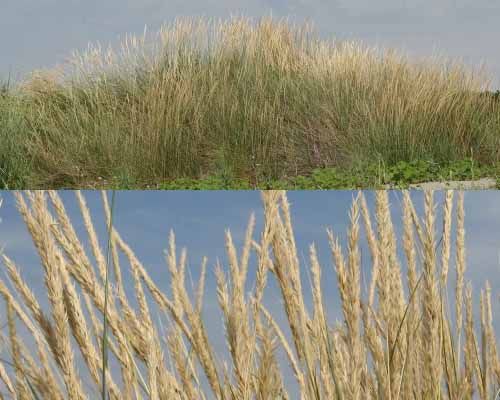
[[397, 341], [256, 100]]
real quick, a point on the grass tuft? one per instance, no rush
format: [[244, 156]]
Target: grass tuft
[[237, 99]]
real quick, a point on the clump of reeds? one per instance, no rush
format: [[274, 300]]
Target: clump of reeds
[[254, 101], [397, 341]]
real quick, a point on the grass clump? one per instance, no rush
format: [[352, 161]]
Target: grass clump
[[256, 101], [15, 164], [398, 338]]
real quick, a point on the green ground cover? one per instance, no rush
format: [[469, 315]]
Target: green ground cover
[[374, 176]]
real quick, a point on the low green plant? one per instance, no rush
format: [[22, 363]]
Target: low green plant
[[374, 175]]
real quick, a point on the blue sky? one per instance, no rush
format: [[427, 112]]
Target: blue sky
[[42, 33], [199, 220]]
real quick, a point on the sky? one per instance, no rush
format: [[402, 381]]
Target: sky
[[199, 220], [41, 34]]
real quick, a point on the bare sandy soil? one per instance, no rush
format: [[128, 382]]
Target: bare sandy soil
[[480, 184]]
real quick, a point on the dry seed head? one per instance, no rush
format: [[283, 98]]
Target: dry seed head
[[445, 253], [322, 357]]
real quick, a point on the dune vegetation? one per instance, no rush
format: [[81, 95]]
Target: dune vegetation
[[255, 102], [398, 338]]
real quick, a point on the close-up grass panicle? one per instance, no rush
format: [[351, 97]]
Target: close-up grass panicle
[[397, 338]]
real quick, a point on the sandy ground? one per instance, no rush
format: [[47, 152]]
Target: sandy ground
[[480, 184]]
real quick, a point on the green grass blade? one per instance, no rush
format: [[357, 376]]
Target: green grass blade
[[106, 295]]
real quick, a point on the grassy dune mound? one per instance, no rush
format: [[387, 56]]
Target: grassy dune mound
[[252, 101], [397, 339]]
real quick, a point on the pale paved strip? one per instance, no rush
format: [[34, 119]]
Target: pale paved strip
[[484, 183]]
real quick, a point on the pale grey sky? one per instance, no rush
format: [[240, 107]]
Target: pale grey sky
[[41, 33]]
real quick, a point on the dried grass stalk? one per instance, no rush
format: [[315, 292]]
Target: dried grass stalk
[[395, 341]]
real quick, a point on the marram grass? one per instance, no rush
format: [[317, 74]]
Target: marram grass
[[238, 99], [398, 339]]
